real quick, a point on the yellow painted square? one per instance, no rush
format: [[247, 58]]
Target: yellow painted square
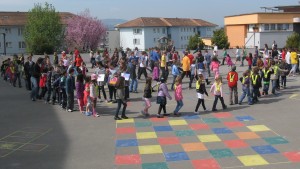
[[151, 149], [252, 160], [257, 128], [177, 122], [145, 135], [125, 121], [209, 138]]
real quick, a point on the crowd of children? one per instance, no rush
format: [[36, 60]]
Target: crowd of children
[[55, 83]]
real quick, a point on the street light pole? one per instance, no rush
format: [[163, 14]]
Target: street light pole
[[4, 45]]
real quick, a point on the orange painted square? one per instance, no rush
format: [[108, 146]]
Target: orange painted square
[[128, 159], [247, 135], [292, 156], [235, 143], [125, 130], [194, 147], [206, 164], [222, 115], [199, 126], [168, 140], [233, 124], [155, 119]]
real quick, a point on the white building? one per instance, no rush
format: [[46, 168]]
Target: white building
[[144, 32], [112, 40]]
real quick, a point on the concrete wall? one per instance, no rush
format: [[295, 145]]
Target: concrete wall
[[113, 39], [13, 38], [236, 35], [269, 37]]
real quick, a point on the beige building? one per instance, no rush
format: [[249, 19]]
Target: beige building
[[257, 29]]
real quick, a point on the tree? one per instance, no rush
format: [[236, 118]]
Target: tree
[[84, 31], [293, 41], [195, 42], [43, 30], [220, 39]]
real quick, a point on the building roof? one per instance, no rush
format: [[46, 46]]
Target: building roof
[[20, 18], [164, 22], [269, 13]]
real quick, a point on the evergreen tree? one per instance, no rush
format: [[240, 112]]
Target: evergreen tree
[[195, 42], [220, 39], [293, 41]]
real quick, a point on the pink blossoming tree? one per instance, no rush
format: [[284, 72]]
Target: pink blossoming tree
[[84, 31]]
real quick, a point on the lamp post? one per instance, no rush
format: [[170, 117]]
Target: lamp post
[[4, 45]]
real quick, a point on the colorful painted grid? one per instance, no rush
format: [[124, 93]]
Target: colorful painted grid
[[210, 141]]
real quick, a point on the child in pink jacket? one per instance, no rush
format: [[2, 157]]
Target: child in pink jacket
[[178, 95], [214, 66]]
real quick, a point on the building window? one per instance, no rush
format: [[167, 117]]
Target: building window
[[279, 26], [7, 30], [181, 29], [154, 30], [157, 30], [181, 38], [154, 39], [163, 30], [136, 41], [286, 26], [22, 45], [266, 27], [273, 27], [208, 29], [194, 29], [137, 31], [20, 31], [184, 37], [8, 44]]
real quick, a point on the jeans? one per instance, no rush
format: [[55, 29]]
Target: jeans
[[200, 101], [163, 72], [192, 77], [246, 92], [112, 92], [233, 90], [185, 73], [266, 88], [120, 102], [208, 68], [283, 81], [179, 106], [274, 85], [28, 82], [63, 98], [17, 77], [255, 92], [216, 101], [34, 88], [133, 85], [142, 71], [49, 93], [70, 100], [174, 78], [101, 88]]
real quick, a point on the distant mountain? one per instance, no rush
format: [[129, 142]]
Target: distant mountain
[[110, 23]]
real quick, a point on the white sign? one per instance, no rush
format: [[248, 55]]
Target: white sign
[[125, 75], [100, 77]]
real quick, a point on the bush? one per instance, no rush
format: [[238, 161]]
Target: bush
[[293, 41], [220, 39], [195, 42]]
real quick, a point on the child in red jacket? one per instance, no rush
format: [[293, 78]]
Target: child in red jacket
[[233, 78], [42, 84], [249, 59]]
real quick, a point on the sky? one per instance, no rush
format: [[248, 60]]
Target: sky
[[209, 10]]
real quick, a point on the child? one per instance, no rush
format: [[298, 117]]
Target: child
[[215, 65], [70, 86], [217, 90], [83, 69], [202, 69], [10, 71], [256, 84], [229, 61], [93, 94], [284, 66], [133, 78], [249, 59], [55, 80], [86, 94], [193, 73], [112, 79], [275, 75], [147, 96], [101, 71], [155, 72], [161, 98], [178, 95], [120, 86], [201, 90], [175, 73], [246, 87], [62, 90], [79, 91], [49, 87], [42, 84], [233, 78], [266, 74]]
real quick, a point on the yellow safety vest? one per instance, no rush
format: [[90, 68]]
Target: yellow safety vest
[[231, 77], [218, 87], [266, 73], [254, 78], [244, 78], [275, 68]]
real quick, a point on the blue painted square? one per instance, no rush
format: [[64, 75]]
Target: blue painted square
[[244, 118], [127, 143], [221, 130], [191, 117], [178, 156], [265, 149], [162, 128]]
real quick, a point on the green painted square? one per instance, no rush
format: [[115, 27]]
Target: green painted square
[[161, 165], [276, 140], [143, 124], [211, 120], [221, 153], [10, 145], [183, 133]]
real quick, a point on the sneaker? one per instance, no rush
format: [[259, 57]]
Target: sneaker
[[225, 107], [196, 112], [96, 115], [69, 110], [106, 101], [166, 114], [124, 117], [240, 103], [206, 110], [117, 118], [143, 112], [159, 116], [214, 110]]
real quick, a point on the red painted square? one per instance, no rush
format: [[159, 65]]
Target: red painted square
[[125, 130], [233, 124], [155, 119], [168, 140], [199, 126], [293, 156], [222, 115], [206, 164], [235, 143], [128, 159]]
